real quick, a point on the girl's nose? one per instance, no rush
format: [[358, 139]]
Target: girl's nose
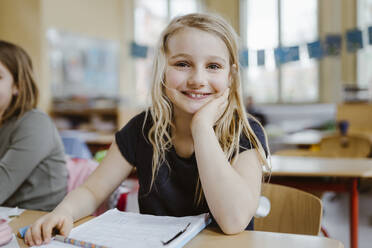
[[197, 79]]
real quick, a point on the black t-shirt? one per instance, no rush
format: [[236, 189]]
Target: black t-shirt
[[174, 187]]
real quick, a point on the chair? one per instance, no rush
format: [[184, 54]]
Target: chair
[[292, 211], [341, 146], [348, 146], [298, 152]]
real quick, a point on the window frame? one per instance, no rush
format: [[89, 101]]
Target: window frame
[[243, 34]]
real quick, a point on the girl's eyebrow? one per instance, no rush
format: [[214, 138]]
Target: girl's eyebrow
[[184, 55], [217, 58]]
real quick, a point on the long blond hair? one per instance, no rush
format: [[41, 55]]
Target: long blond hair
[[232, 123], [19, 64]]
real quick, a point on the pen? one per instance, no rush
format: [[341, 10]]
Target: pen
[[22, 232], [177, 235], [77, 242]]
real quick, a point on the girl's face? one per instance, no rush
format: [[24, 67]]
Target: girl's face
[[197, 69], [7, 88]]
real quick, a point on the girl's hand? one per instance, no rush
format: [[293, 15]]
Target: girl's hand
[[209, 114], [41, 231]]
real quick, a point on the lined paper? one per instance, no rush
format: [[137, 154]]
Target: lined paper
[[124, 229]]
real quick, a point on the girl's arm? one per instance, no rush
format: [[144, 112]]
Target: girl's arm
[[232, 191], [84, 200], [32, 140]]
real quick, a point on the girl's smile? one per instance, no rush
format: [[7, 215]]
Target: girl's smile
[[197, 69], [196, 95]]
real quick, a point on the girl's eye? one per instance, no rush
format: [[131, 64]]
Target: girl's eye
[[182, 64], [214, 66]]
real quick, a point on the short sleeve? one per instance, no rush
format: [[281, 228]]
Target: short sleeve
[[245, 143], [127, 138]]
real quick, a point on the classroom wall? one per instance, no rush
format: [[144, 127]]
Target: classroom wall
[[20, 23], [95, 18], [109, 19], [336, 17], [24, 22], [227, 9]]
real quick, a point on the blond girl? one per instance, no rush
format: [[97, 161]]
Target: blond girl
[[195, 149]]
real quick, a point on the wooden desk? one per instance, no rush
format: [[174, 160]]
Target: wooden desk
[[212, 238], [304, 138], [307, 138], [95, 141], [350, 170], [30, 216], [98, 142], [255, 239]]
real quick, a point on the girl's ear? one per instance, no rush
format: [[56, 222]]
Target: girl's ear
[[233, 69], [14, 90]]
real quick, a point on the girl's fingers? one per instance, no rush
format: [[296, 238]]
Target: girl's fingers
[[65, 227], [33, 234], [28, 238], [46, 229], [41, 231]]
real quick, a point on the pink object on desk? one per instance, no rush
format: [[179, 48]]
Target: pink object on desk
[[5, 232]]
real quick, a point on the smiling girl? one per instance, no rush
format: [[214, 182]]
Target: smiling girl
[[195, 149]]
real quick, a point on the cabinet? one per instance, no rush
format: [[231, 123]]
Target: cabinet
[[92, 122]]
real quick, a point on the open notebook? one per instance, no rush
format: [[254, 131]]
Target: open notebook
[[124, 229]]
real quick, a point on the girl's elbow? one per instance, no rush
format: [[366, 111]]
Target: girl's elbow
[[232, 230], [234, 226]]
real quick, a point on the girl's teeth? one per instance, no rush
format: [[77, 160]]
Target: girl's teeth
[[196, 95]]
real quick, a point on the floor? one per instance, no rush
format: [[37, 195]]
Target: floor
[[336, 217]]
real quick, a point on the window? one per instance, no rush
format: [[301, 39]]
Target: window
[[150, 18], [269, 24], [364, 58]]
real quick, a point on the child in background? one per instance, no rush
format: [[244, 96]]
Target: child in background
[[33, 174], [195, 149]]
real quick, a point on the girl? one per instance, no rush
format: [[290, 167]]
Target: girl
[[32, 167], [194, 149]]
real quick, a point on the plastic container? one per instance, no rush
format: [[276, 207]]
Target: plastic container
[[5, 232]]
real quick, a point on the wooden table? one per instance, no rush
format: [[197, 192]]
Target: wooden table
[[285, 168], [213, 238], [304, 138]]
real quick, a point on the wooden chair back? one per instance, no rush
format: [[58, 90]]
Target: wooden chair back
[[349, 146], [357, 114], [337, 146], [292, 211], [298, 153]]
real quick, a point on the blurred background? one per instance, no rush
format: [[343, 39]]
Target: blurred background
[[93, 58], [306, 66]]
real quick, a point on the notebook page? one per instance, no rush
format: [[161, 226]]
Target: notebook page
[[12, 244], [124, 229]]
